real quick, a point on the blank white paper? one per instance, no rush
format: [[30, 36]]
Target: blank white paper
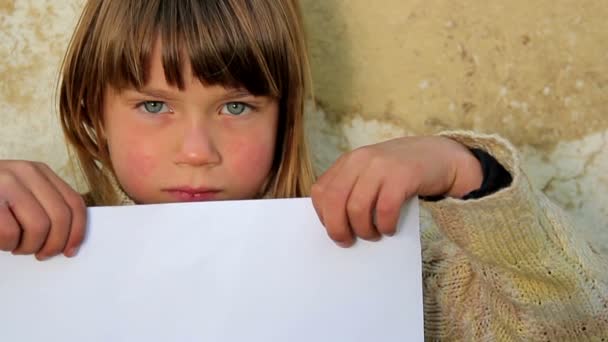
[[259, 270]]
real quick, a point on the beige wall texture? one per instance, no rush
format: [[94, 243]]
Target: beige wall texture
[[535, 72]]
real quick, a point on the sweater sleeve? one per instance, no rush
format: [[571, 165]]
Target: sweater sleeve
[[510, 266]]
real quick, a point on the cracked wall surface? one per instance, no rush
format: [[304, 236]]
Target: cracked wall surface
[[534, 72]]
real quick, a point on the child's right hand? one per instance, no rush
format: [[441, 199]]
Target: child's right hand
[[39, 213]]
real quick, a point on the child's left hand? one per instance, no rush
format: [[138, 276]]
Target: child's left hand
[[382, 177]]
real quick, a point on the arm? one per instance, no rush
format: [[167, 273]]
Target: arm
[[509, 265]]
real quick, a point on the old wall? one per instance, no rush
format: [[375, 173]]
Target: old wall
[[535, 72]]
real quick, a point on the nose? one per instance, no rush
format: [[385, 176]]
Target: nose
[[198, 147]]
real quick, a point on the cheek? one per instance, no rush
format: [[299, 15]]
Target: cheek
[[141, 162], [134, 165], [251, 156]]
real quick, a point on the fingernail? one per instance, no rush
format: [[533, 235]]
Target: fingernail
[[42, 257], [343, 244], [71, 252]]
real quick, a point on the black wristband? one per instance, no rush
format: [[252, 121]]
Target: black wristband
[[495, 176]]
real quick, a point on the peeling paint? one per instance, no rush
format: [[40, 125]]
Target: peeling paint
[[549, 56]]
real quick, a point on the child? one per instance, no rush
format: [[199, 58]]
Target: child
[[167, 101]]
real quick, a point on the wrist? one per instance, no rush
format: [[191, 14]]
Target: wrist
[[468, 174]]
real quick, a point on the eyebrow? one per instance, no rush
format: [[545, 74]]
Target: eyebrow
[[158, 93], [169, 95], [238, 93]]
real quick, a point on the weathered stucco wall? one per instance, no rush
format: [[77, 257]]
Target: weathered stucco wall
[[535, 72]]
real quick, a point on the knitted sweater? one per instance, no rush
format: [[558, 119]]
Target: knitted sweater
[[508, 266]]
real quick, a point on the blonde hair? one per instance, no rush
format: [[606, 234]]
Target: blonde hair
[[255, 44]]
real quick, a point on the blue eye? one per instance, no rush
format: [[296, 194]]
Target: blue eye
[[154, 107], [235, 108]]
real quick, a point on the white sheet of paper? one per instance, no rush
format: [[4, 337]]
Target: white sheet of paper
[[259, 270]]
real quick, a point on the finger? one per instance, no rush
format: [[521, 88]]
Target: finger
[[57, 210], [320, 186], [10, 232], [361, 202], [47, 235], [388, 206], [333, 204], [77, 207], [57, 236], [32, 219], [316, 195]]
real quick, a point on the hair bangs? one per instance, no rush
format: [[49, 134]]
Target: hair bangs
[[222, 41]]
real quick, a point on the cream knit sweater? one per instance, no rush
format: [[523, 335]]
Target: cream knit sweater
[[509, 266]]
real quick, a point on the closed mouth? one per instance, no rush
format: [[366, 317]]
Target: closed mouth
[[188, 194]]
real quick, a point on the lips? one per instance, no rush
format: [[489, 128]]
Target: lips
[[188, 194]]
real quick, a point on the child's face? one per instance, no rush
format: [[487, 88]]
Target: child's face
[[199, 143]]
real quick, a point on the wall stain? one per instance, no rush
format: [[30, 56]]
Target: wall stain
[[537, 76], [7, 6]]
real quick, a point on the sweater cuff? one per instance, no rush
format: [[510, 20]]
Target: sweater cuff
[[500, 227], [495, 176]]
